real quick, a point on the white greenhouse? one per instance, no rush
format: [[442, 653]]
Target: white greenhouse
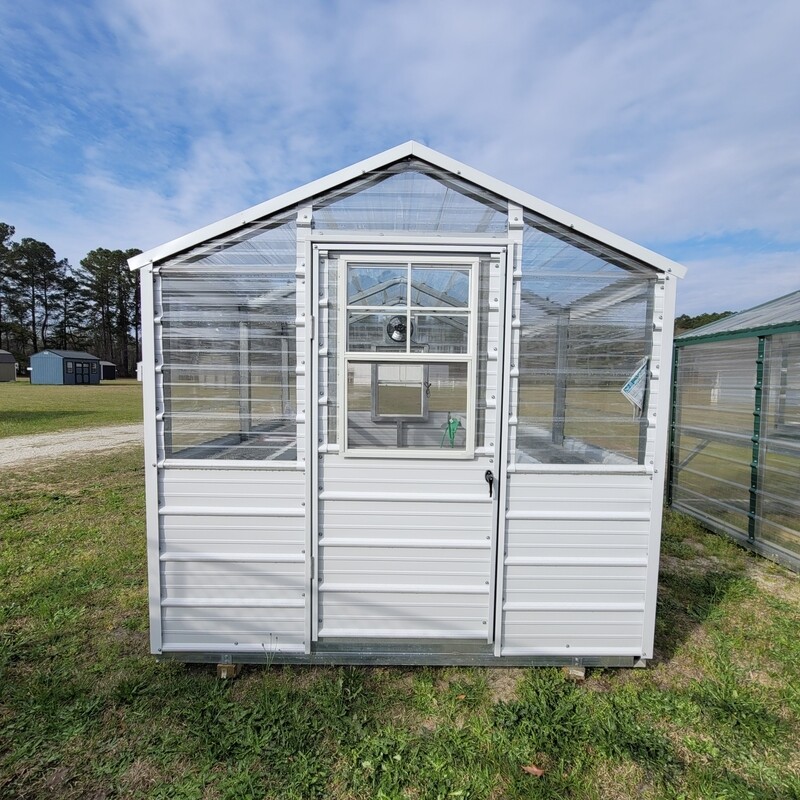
[[405, 414]]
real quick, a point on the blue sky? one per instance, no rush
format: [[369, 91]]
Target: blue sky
[[126, 123]]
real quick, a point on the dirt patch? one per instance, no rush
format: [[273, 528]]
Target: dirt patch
[[503, 682], [141, 776], [41, 447]]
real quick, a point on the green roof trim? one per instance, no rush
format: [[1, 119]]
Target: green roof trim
[[745, 333]]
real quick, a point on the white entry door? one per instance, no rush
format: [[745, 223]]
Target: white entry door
[[406, 516]]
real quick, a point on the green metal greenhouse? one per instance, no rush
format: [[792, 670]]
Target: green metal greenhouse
[[735, 444]]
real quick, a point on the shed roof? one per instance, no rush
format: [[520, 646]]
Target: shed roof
[[776, 313], [382, 160], [108, 363], [7, 358], [68, 354]]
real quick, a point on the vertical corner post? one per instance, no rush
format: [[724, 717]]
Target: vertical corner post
[[508, 386], [153, 401], [306, 403], [658, 420], [673, 425], [758, 424]]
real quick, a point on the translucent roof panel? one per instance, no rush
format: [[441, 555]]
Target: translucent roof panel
[[565, 273], [270, 243], [782, 311], [412, 197]]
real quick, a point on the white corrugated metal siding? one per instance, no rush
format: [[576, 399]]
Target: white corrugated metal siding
[[233, 560], [575, 564]]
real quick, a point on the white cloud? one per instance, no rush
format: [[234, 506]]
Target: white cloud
[[663, 121], [737, 281]]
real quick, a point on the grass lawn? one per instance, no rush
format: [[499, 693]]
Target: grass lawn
[[26, 408], [85, 712]]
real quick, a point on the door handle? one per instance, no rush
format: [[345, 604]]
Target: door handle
[[488, 476]]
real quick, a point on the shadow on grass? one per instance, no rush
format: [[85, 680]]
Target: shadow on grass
[[698, 576]]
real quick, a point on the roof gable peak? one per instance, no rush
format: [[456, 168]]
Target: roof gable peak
[[408, 149]]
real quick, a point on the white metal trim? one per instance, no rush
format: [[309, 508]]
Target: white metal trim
[[224, 558], [152, 488], [307, 280], [519, 606], [221, 511], [233, 603], [350, 242], [577, 652], [581, 469], [316, 407], [598, 516], [352, 633], [234, 648], [503, 444], [662, 339], [214, 464], [394, 154], [408, 497]]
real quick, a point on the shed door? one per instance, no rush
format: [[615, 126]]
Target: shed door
[[406, 518]]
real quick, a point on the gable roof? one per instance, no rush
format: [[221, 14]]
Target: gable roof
[[394, 154], [782, 311], [67, 354], [7, 358]]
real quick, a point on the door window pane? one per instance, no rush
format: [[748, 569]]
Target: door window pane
[[439, 287], [440, 333], [376, 332], [377, 286], [407, 405]]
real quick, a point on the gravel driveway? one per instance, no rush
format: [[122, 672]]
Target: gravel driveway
[[49, 446]]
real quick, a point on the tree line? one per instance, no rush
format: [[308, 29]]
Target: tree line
[[685, 323], [45, 302]]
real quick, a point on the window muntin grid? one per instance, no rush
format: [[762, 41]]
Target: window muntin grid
[[418, 313]]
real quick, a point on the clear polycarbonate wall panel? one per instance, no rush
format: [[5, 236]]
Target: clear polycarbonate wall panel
[[715, 399], [717, 381], [713, 480], [586, 324], [779, 484], [399, 405], [332, 282], [483, 352], [229, 349], [413, 198]]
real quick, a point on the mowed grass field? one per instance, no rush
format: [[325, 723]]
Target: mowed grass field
[[26, 408], [86, 712]]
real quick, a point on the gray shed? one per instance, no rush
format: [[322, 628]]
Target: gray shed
[[735, 448], [8, 367], [108, 371], [405, 414], [67, 367]]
